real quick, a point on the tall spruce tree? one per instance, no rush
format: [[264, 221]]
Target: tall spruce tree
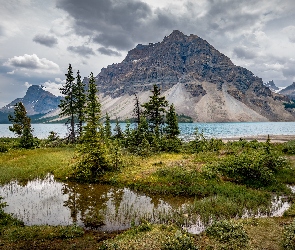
[[137, 110], [172, 128], [21, 126], [92, 151], [92, 111], [155, 110], [68, 104], [80, 102]]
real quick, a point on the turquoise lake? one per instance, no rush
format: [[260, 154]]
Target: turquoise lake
[[218, 130]]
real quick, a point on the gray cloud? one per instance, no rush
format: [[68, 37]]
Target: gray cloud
[[231, 15], [245, 53], [1, 31], [81, 50], [290, 32], [289, 70], [108, 52], [106, 14], [120, 40], [32, 62], [122, 24], [111, 23], [46, 40]]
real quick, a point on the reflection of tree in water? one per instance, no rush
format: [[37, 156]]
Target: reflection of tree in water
[[111, 208], [88, 201]]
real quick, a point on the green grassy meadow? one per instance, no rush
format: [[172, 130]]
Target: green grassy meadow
[[223, 179]]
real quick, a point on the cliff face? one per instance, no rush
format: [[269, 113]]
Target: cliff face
[[210, 86]]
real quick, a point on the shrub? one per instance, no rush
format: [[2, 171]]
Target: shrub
[[144, 227], [229, 234], [288, 241], [201, 144], [170, 144], [3, 148], [254, 168], [291, 211], [27, 140], [92, 161], [214, 144], [180, 241], [52, 136], [289, 147]]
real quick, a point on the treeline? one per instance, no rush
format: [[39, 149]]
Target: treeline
[[152, 120]]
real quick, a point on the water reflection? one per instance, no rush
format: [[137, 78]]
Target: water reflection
[[37, 202], [100, 206], [55, 203]]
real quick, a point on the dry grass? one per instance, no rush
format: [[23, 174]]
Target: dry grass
[[265, 233]]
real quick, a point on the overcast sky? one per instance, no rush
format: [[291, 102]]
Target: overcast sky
[[38, 39]]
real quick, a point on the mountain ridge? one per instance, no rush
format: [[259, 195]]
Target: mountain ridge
[[202, 83], [206, 76], [37, 101], [289, 91]]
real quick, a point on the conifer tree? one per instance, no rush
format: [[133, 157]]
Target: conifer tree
[[118, 131], [127, 135], [68, 104], [137, 110], [27, 140], [20, 119], [142, 131], [22, 126], [172, 128], [92, 111], [155, 110], [80, 103], [143, 138], [92, 151], [107, 127]]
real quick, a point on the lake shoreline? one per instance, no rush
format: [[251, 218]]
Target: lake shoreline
[[227, 131], [261, 138]]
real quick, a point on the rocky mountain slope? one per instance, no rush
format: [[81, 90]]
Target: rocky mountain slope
[[36, 100], [289, 91], [202, 83]]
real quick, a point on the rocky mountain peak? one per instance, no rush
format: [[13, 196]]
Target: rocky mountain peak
[[289, 91], [202, 82], [36, 92], [176, 35], [271, 85], [178, 58], [36, 100]]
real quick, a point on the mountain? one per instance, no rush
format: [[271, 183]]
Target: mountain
[[289, 91], [272, 86], [201, 82], [37, 102]]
